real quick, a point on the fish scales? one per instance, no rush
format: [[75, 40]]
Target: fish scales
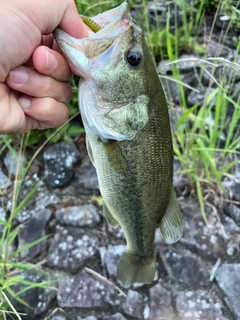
[[126, 120]]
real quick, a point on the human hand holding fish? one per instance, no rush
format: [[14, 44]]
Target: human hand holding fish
[[125, 115], [34, 77]]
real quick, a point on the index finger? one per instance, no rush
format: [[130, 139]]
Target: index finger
[[52, 63]]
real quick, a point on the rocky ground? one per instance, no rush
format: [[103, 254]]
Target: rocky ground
[[196, 278]]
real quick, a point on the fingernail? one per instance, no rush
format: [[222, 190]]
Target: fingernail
[[25, 103], [19, 76], [51, 61]]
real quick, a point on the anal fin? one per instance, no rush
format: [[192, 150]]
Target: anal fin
[[113, 222], [171, 223]]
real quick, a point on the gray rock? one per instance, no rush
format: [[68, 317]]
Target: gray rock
[[59, 160], [86, 290], [220, 241], [236, 92], [2, 218], [228, 278], [133, 305], [198, 98], [5, 182], [71, 248], [112, 257], [13, 160], [116, 316], [216, 49], [38, 299], [171, 87], [186, 63], [31, 231], [160, 304], [88, 318], [58, 318], [232, 211], [217, 74], [86, 175], [198, 305], [78, 216], [184, 267]]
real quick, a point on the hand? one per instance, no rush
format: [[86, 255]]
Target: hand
[[34, 77]]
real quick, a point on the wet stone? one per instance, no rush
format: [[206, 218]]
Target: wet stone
[[212, 243], [59, 161], [86, 175], [185, 267], [160, 304], [31, 231], [14, 161], [78, 216], [228, 279], [198, 305], [2, 218], [217, 74], [5, 182], [71, 248], [38, 299], [86, 290], [116, 316], [133, 305]]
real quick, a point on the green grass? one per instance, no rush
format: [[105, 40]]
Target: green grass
[[204, 158]]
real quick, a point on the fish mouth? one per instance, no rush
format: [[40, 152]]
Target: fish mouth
[[112, 24]]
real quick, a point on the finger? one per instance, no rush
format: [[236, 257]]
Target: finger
[[49, 62], [32, 83], [42, 113]]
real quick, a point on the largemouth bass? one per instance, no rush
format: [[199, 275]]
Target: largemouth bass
[[125, 115]]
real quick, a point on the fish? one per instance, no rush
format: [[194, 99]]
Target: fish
[[128, 137]]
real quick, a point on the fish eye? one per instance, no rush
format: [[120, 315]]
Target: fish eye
[[133, 58]]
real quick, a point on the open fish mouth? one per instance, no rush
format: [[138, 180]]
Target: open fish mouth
[[112, 24]]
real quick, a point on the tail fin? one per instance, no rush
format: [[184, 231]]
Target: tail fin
[[132, 269]]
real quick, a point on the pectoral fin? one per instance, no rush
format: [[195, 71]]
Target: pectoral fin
[[113, 222], [171, 223], [89, 150]]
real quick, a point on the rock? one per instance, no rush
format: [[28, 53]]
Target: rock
[[59, 160], [78, 216], [86, 175], [31, 231], [171, 87], [133, 305], [228, 279], [71, 248], [116, 316], [198, 98], [185, 267], [112, 257], [5, 182], [236, 92], [59, 318], [13, 160], [220, 241], [198, 305], [160, 304], [214, 74], [37, 298], [216, 49], [186, 63], [86, 290], [2, 218], [88, 318], [232, 211]]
